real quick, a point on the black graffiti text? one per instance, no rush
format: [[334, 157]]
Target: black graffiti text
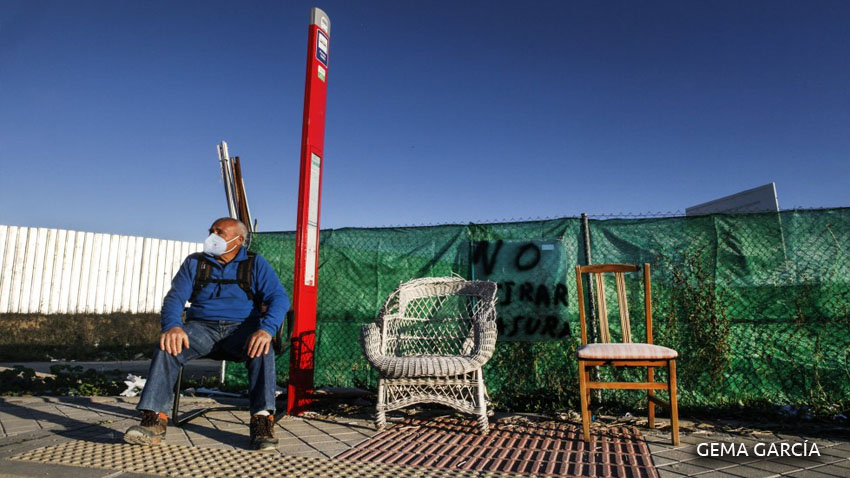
[[539, 294], [521, 325]]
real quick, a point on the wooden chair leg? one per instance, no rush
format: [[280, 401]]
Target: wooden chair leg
[[674, 406], [649, 394], [585, 398]]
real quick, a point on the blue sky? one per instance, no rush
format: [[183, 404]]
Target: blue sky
[[438, 111]]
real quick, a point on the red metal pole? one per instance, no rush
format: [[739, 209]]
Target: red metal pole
[[304, 287]]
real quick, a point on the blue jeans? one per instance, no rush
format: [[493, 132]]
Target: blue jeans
[[204, 337]]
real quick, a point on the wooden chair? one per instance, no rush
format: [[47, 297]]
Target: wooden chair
[[627, 353]]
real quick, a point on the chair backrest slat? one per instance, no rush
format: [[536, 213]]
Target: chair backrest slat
[[602, 313], [597, 272], [625, 325], [647, 292]]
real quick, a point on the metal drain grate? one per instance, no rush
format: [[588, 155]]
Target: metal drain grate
[[184, 461], [544, 449]]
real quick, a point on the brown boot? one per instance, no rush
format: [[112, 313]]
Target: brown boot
[[150, 431], [262, 432]]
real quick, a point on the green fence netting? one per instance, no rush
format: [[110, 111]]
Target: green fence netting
[[758, 305]]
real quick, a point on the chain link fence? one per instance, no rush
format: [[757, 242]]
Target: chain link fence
[[757, 305]]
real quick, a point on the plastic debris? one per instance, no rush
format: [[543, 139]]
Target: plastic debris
[[135, 384]]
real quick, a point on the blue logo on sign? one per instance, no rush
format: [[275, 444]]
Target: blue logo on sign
[[322, 48]]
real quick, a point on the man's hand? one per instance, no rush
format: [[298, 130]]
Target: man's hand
[[174, 340], [258, 344]]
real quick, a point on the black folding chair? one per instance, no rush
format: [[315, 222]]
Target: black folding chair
[[278, 344]]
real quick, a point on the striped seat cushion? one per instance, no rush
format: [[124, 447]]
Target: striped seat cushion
[[625, 352]]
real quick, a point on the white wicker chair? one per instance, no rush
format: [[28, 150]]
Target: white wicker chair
[[429, 343]]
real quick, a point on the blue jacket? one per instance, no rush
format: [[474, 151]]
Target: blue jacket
[[226, 301]]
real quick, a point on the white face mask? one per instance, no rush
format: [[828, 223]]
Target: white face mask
[[215, 245]]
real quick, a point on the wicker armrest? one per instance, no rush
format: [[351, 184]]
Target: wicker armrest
[[486, 333], [370, 338]]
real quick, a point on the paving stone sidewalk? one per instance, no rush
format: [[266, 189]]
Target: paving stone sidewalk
[[28, 423]]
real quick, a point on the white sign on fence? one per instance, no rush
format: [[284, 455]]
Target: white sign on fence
[[760, 199]]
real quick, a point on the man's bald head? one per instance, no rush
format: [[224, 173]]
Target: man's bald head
[[227, 223]]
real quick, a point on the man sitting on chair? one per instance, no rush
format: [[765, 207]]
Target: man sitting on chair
[[225, 285]]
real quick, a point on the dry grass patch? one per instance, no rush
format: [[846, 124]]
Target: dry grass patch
[[28, 337]]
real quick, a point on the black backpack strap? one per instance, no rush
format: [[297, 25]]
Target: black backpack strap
[[245, 275], [202, 276]]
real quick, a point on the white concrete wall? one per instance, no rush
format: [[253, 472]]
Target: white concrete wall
[[56, 271]]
